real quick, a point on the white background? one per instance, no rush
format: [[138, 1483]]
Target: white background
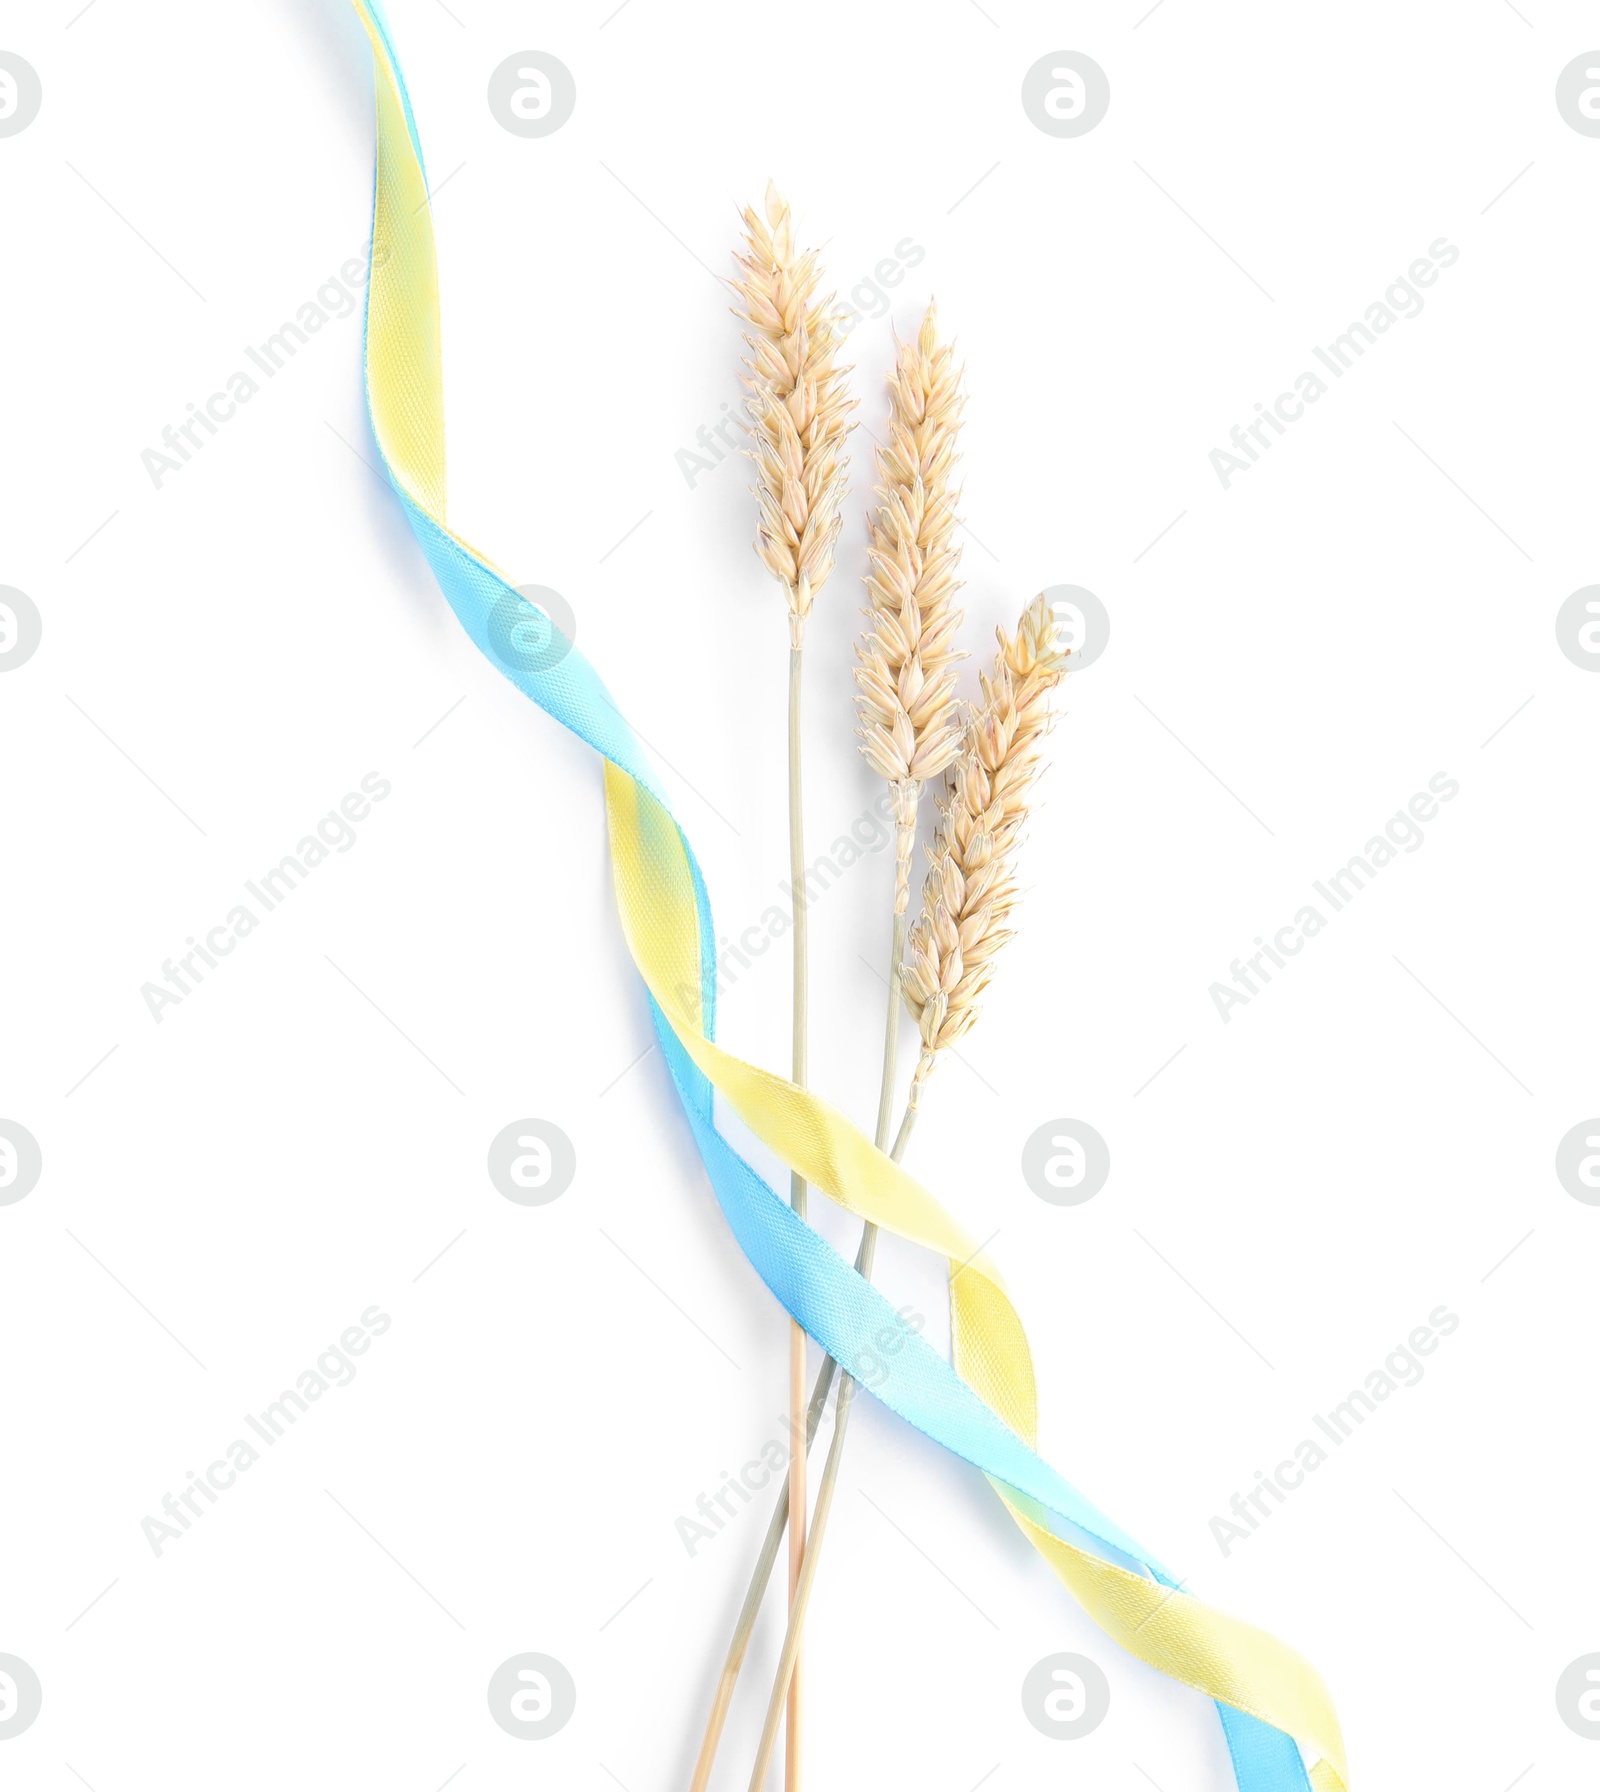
[[225, 657]]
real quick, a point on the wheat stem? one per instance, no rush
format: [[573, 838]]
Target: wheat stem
[[798, 893], [864, 1261], [797, 1200], [765, 1563], [891, 1028], [756, 1592], [826, 1488], [902, 1138]]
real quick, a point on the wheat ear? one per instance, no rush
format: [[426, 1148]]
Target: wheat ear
[[971, 887], [798, 403], [906, 661]]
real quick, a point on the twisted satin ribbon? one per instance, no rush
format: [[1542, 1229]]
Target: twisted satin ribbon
[[983, 1406]]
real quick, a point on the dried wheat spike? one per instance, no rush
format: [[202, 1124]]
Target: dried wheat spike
[[797, 403], [905, 670], [971, 887]]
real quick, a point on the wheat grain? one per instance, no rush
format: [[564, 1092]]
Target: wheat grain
[[971, 887], [798, 406]]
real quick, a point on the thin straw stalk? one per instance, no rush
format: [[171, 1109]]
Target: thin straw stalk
[[799, 411]]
